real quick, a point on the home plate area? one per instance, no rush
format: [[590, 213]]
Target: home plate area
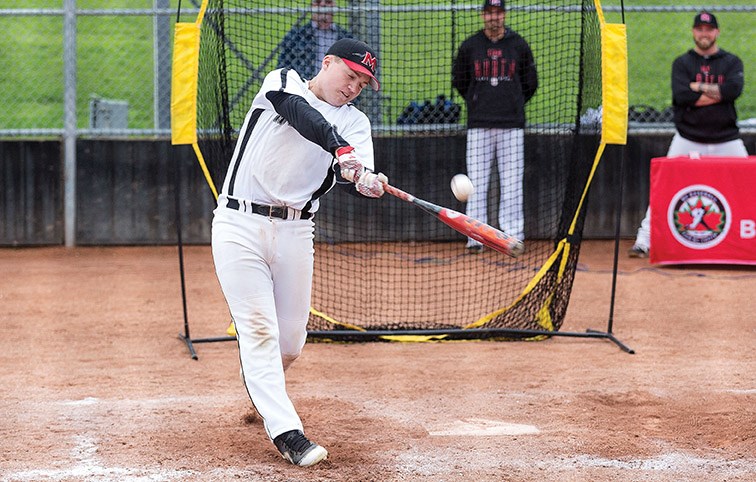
[[479, 427]]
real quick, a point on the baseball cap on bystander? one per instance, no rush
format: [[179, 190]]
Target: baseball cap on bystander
[[358, 56], [494, 3], [705, 18]]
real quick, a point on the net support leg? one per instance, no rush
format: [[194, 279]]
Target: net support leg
[[611, 337], [610, 321], [189, 345]]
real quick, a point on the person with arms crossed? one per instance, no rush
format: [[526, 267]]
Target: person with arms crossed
[[303, 47], [298, 140], [495, 73], [706, 80]]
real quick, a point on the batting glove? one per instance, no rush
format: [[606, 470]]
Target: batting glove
[[370, 184], [351, 167]]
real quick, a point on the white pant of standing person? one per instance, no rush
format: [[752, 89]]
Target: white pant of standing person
[[269, 302], [684, 147], [507, 147]]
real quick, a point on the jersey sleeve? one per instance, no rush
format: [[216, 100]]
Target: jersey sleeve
[[280, 80], [283, 92]]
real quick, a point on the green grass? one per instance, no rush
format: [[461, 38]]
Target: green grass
[[656, 39], [115, 56]]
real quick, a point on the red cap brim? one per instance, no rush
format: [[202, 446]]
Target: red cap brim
[[363, 70]]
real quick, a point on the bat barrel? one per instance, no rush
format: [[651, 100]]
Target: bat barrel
[[487, 235]]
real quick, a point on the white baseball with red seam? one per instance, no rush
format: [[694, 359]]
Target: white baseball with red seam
[[462, 187]]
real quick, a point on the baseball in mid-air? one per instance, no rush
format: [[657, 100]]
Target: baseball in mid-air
[[462, 187]]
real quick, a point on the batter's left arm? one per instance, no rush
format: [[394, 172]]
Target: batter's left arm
[[306, 120]]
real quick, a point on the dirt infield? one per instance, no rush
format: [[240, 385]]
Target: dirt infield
[[97, 385]]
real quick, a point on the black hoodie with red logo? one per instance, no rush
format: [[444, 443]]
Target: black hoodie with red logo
[[711, 124], [496, 79]]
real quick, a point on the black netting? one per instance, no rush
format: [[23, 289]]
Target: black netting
[[407, 270]]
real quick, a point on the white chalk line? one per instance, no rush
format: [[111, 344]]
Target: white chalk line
[[89, 467], [479, 427]]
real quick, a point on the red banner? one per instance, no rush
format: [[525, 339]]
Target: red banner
[[703, 211]]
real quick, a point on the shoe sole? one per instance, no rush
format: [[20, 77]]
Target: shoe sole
[[315, 455]]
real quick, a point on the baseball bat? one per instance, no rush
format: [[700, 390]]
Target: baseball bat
[[479, 231]]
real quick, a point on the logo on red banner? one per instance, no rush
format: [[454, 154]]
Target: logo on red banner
[[699, 217]]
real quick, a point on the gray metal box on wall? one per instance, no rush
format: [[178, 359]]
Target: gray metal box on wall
[[108, 113]]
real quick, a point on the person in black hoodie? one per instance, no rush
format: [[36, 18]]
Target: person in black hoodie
[[706, 80], [495, 73]]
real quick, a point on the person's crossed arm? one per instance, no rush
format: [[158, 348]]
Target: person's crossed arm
[[710, 93]]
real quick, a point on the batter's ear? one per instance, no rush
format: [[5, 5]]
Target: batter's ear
[[327, 61]]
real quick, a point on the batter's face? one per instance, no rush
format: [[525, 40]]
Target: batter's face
[[705, 37], [336, 83]]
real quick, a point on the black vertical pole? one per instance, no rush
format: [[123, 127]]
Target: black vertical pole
[[617, 230], [185, 336]]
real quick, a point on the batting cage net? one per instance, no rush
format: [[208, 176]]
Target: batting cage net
[[405, 272]]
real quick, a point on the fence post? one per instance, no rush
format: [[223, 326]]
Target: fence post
[[69, 129], [162, 65]]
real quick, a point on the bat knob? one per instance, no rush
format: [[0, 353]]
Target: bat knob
[[518, 248]]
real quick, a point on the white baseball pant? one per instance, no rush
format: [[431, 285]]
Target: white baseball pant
[[265, 268], [507, 147]]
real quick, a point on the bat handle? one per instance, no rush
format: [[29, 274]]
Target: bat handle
[[394, 191]]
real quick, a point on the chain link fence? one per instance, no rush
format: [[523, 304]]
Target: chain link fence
[[95, 67], [103, 67]]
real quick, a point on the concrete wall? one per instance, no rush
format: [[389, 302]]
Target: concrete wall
[[127, 189]]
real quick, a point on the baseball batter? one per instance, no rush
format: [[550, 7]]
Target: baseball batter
[[298, 140], [495, 72], [706, 80]]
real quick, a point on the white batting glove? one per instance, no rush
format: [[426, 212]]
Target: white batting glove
[[349, 163], [370, 184]]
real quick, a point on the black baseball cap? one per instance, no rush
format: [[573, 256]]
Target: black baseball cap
[[705, 18], [358, 57], [494, 3]]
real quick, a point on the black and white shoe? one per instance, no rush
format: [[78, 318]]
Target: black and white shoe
[[298, 450]]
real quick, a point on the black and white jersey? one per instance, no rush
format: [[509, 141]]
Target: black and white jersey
[[285, 152]]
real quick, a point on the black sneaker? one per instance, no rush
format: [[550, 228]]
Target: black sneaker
[[638, 252], [298, 450]]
